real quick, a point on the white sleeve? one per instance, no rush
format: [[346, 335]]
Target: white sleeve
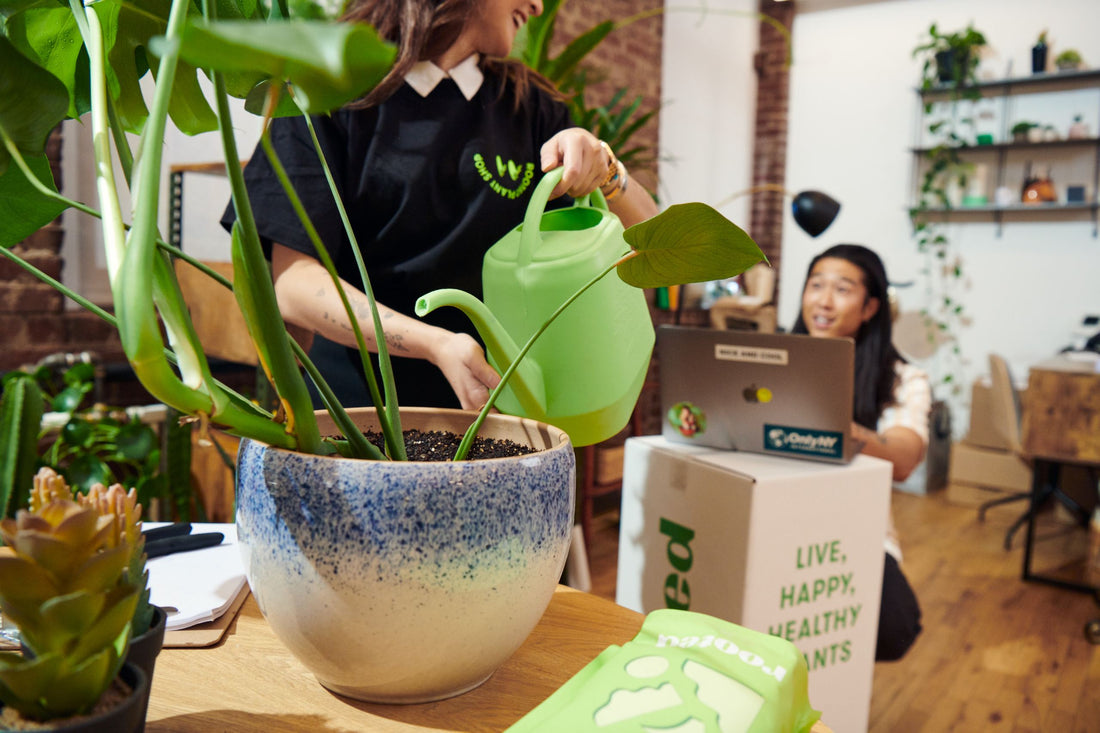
[[912, 402]]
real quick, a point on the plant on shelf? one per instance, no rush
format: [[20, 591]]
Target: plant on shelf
[[1021, 130], [949, 58], [1068, 60], [75, 587], [950, 64]]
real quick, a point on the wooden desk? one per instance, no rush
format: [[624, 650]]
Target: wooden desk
[[250, 682], [1060, 426]]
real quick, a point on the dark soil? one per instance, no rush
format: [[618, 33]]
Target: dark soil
[[436, 445]]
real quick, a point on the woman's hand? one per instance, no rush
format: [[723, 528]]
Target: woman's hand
[[584, 160], [463, 363], [586, 164]]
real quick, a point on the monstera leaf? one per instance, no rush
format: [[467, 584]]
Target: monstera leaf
[[687, 243], [328, 64]]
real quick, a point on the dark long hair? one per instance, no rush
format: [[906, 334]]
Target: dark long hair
[[876, 357], [422, 30]]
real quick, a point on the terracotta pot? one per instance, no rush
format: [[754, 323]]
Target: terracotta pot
[[406, 581]]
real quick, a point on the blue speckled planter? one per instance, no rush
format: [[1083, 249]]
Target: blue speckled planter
[[400, 581]]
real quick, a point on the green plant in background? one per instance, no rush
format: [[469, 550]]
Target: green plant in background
[[89, 443], [1068, 60], [949, 58], [950, 63], [278, 65], [72, 588]]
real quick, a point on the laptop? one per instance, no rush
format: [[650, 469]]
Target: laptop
[[779, 394]]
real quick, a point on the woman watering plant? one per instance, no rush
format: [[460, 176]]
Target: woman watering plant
[[434, 165], [845, 296]]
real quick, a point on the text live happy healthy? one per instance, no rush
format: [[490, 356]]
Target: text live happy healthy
[[822, 599]]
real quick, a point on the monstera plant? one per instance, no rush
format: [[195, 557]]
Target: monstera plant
[[87, 60]]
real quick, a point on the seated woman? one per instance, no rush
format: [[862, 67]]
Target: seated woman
[[845, 295]]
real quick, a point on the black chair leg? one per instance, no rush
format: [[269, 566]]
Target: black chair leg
[[1020, 496]]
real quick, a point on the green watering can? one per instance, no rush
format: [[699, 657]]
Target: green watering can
[[586, 370]]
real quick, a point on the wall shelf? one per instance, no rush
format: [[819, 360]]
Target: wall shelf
[[1012, 152]]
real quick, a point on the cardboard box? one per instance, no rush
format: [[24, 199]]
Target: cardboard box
[[778, 545], [995, 469]]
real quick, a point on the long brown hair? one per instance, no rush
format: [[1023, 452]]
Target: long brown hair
[[422, 30]]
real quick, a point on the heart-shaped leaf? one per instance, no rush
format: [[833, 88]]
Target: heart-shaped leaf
[[687, 243]]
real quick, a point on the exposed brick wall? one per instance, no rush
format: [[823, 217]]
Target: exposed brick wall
[[770, 151], [629, 57], [34, 321]]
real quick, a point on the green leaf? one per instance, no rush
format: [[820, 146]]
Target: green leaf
[[21, 408], [687, 243], [329, 64], [77, 432], [23, 209], [581, 46], [48, 34], [32, 102], [136, 440], [86, 471]]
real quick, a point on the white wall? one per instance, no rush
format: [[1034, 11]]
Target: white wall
[[853, 119], [708, 91]]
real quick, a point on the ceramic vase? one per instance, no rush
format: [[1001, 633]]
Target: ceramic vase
[[406, 582]]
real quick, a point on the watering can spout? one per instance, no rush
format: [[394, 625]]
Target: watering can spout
[[526, 383]]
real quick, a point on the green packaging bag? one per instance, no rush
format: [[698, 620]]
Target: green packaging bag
[[685, 672]]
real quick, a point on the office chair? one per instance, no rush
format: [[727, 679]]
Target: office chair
[[1005, 408], [1006, 416]]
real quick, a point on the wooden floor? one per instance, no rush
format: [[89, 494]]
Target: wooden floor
[[996, 653]]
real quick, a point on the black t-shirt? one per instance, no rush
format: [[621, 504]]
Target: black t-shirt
[[429, 184]]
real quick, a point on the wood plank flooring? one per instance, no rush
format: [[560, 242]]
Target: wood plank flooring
[[996, 653]]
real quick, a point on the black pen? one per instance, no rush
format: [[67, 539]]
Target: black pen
[[186, 543], [168, 530]]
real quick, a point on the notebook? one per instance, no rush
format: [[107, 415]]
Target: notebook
[[780, 394]]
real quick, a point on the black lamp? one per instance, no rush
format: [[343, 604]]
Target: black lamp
[[813, 211]]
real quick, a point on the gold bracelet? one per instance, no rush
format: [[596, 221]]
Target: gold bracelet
[[612, 165], [617, 182]]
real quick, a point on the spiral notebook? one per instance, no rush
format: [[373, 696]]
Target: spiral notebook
[[780, 394]]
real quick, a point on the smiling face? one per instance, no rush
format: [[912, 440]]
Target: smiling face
[[835, 302], [492, 29]]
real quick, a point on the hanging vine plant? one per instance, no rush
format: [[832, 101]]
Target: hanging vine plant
[[950, 65]]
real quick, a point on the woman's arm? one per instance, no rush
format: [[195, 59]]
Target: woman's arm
[[899, 445], [586, 164], [308, 298]]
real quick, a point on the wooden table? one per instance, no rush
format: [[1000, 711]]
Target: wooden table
[[1060, 426], [250, 682]]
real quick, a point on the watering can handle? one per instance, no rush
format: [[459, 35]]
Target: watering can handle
[[529, 237]]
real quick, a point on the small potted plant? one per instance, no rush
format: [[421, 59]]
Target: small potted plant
[[949, 58], [1039, 54], [72, 585], [1021, 131], [1068, 60]]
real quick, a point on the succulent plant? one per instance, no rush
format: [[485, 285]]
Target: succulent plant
[[72, 587]]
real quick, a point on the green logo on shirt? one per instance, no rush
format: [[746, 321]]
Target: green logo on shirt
[[511, 179]]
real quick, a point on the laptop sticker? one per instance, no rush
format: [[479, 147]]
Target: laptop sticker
[[687, 418], [803, 441]]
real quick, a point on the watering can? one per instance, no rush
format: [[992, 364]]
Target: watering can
[[585, 371]]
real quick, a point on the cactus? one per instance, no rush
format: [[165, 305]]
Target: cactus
[[72, 587]]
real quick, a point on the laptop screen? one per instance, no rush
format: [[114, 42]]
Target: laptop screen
[[780, 394]]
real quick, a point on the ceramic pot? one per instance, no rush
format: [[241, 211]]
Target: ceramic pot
[[406, 581]]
